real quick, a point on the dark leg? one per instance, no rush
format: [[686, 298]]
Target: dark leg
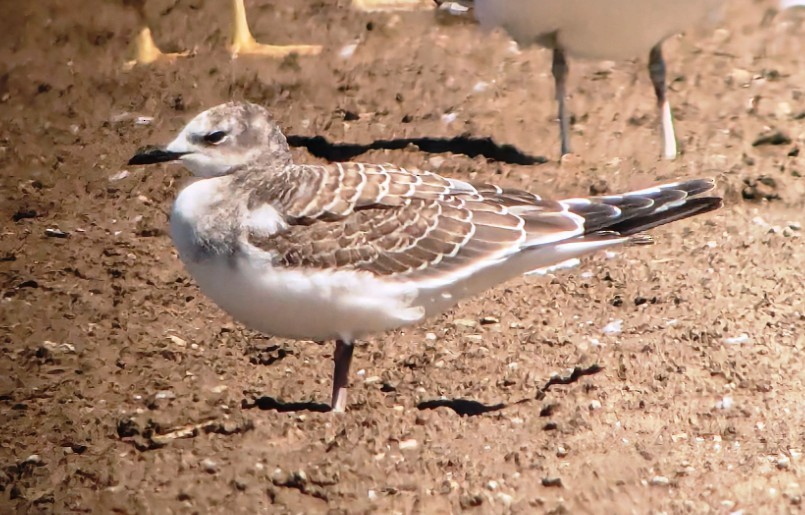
[[656, 70], [559, 70], [342, 357]]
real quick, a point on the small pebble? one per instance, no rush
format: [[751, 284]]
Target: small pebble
[[456, 8], [552, 482], [464, 322], [164, 394], [408, 444], [506, 499], [614, 327], [34, 459], [209, 466], [660, 481], [59, 347], [740, 76], [56, 233], [725, 403], [449, 118], [177, 341], [122, 174], [737, 340], [468, 501], [348, 51], [480, 87]]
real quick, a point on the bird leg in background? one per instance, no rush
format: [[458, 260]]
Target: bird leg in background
[[559, 70], [147, 52], [342, 357], [656, 70], [244, 43]]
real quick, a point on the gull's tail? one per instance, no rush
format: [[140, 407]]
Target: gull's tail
[[632, 213]]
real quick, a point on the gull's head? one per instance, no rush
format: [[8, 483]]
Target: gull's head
[[221, 140]]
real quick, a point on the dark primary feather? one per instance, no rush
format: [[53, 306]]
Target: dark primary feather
[[640, 211]]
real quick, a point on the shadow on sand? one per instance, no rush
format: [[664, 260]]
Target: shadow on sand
[[472, 147], [272, 404]]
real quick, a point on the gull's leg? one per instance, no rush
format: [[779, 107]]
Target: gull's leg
[[656, 70], [147, 52], [342, 357], [391, 5], [559, 70], [244, 43]]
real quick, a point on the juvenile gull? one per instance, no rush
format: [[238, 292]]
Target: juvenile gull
[[600, 29], [342, 251]]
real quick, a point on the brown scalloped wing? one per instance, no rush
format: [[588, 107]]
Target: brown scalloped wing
[[390, 221]]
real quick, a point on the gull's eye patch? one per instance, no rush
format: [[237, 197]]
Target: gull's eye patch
[[214, 138]]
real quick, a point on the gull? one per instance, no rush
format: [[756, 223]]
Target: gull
[[241, 43], [600, 29], [346, 250]]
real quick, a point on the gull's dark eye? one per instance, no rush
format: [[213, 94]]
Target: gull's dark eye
[[214, 137]]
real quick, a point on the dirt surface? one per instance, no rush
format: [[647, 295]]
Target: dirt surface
[[123, 390]]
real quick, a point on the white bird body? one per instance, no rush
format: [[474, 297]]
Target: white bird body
[[330, 304], [600, 29], [595, 29]]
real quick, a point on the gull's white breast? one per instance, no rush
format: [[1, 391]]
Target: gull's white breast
[[299, 303], [596, 29]]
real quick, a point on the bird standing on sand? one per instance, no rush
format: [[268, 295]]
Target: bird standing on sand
[[242, 42], [346, 250], [600, 29]]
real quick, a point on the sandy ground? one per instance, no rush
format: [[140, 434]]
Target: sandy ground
[[123, 390]]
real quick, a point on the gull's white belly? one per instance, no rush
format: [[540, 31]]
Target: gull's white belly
[[596, 29], [305, 304]]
